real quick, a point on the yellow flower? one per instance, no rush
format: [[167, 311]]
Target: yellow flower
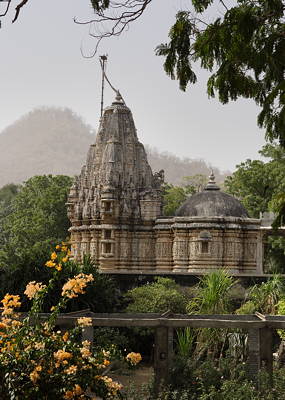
[[33, 288], [77, 390], [113, 387], [3, 326], [71, 370], [39, 346], [85, 352], [134, 358], [58, 247], [34, 376], [65, 336], [58, 267], [50, 264], [68, 395], [65, 259], [53, 256], [9, 302], [64, 248], [76, 285], [62, 355], [16, 323], [84, 321]]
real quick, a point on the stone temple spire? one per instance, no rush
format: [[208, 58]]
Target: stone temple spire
[[117, 181]]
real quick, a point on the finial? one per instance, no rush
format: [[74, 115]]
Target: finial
[[211, 185], [118, 98]]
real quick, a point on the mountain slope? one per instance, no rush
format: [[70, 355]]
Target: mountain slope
[[44, 141]]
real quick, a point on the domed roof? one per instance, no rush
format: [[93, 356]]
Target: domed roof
[[212, 203]]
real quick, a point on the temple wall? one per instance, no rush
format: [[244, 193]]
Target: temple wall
[[172, 246]]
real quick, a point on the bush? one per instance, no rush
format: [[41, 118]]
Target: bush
[[157, 297], [39, 363]]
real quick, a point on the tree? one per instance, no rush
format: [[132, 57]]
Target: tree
[[251, 183], [7, 194], [260, 187], [174, 196], [257, 183], [243, 49], [36, 221]]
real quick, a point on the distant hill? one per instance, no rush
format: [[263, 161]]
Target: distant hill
[[176, 168], [44, 141], [51, 140]]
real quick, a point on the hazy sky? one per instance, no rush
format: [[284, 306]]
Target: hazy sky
[[41, 64]]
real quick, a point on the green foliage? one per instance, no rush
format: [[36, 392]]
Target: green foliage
[[185, 341], [100, 4], [7, 194], [264, 297], [256, 183], [243, 49], [213, 296], [212, 382], [281, 311], [100, 296], [157, 297], [39, 362], [174, 196], [38, 212], [192, 380], [36, 220], [252, 184]]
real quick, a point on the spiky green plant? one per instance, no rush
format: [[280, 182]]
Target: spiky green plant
[[213, 295]]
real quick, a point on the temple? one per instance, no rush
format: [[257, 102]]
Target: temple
[[115, 209]]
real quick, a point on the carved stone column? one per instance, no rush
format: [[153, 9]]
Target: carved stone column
[[180, 251], [76, 245], [85, 241], [94, 245], [163, 250]]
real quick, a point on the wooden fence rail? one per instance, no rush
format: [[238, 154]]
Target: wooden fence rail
[[260, 330]]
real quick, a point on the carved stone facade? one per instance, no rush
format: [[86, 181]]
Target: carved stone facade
[[115, 208]]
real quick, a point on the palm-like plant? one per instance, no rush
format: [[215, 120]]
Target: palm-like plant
[[264, 298], [213, 295], [213, 298]]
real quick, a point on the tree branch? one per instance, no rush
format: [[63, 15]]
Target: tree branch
[[119, 15], [18, 8], [7, 9]]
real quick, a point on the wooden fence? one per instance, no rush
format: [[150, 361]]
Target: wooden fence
[[260, 330]]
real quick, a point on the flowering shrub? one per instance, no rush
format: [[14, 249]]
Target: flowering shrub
[[133, 358], [38, 362]]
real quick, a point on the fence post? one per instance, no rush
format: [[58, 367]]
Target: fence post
[[266, 344], [260, 352], [163, 352]]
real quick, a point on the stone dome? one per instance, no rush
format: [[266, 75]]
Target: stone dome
[[212, 202]]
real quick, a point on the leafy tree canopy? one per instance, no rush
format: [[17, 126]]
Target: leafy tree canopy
[[36, 220], [174, 196], [257, 183], [243, 49]]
